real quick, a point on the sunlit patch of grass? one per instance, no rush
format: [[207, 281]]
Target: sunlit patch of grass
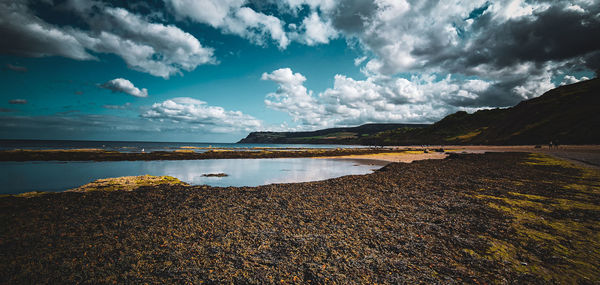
[[127, 183], [467, 136], [26, 194], [31, 194]]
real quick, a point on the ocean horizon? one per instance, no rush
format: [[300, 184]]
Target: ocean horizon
[[146, 146]]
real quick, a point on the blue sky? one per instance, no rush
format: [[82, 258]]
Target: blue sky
[[212, 71]]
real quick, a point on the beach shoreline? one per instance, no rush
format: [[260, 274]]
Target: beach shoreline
[[586, 154], [501, 221]]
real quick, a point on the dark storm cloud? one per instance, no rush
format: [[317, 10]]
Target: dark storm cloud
[[555, 34], [27, 35], [95, 26], [351, 16], [592, 61]]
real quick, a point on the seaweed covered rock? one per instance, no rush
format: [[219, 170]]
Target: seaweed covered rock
[[128, 183]]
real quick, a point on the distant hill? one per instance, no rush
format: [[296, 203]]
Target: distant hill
[[349, 135], [568, 114]]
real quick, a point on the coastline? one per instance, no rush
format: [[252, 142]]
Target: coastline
[[587, 154], [584, 155], [502, 221], [182, 154]]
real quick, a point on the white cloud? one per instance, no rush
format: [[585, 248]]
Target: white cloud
[[232, 18], [376, 99], [399, 33], [197, 115], [316, 31], [575, 8], [292, 97], [323, 5], [161, 50], [254, 26], [212, 12], [124, 86], [570, 79], [359, 60], [176, 48], [391, 10], [512, 9], [535, 85]]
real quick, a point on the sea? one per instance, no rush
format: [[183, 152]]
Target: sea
[[55, 176], [141, 146]]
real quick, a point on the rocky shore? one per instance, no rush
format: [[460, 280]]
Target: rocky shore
[[491, 218]]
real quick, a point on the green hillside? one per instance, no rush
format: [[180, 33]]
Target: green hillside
[[568, 115], [351, 135]]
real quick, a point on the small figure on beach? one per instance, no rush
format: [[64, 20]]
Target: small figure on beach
[[550, 145]]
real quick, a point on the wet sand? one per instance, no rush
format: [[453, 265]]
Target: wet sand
[[587, 155]]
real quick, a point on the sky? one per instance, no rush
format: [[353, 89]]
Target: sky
[[215, 70]]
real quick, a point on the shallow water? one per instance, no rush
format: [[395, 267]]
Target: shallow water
[[19, 177]]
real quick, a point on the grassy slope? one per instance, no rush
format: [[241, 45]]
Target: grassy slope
[[568, 115], [325, 136]]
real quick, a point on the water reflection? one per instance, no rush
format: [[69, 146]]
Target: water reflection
[[21, 177]]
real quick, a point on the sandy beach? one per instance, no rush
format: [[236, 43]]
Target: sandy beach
[[587, 155]]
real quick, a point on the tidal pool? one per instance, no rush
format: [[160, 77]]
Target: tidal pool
[[19, 177]]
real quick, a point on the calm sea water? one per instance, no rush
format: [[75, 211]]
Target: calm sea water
[[131, 146], [19, 177]]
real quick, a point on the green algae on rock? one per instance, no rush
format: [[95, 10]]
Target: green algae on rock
[[555, 223], [128, 183]]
